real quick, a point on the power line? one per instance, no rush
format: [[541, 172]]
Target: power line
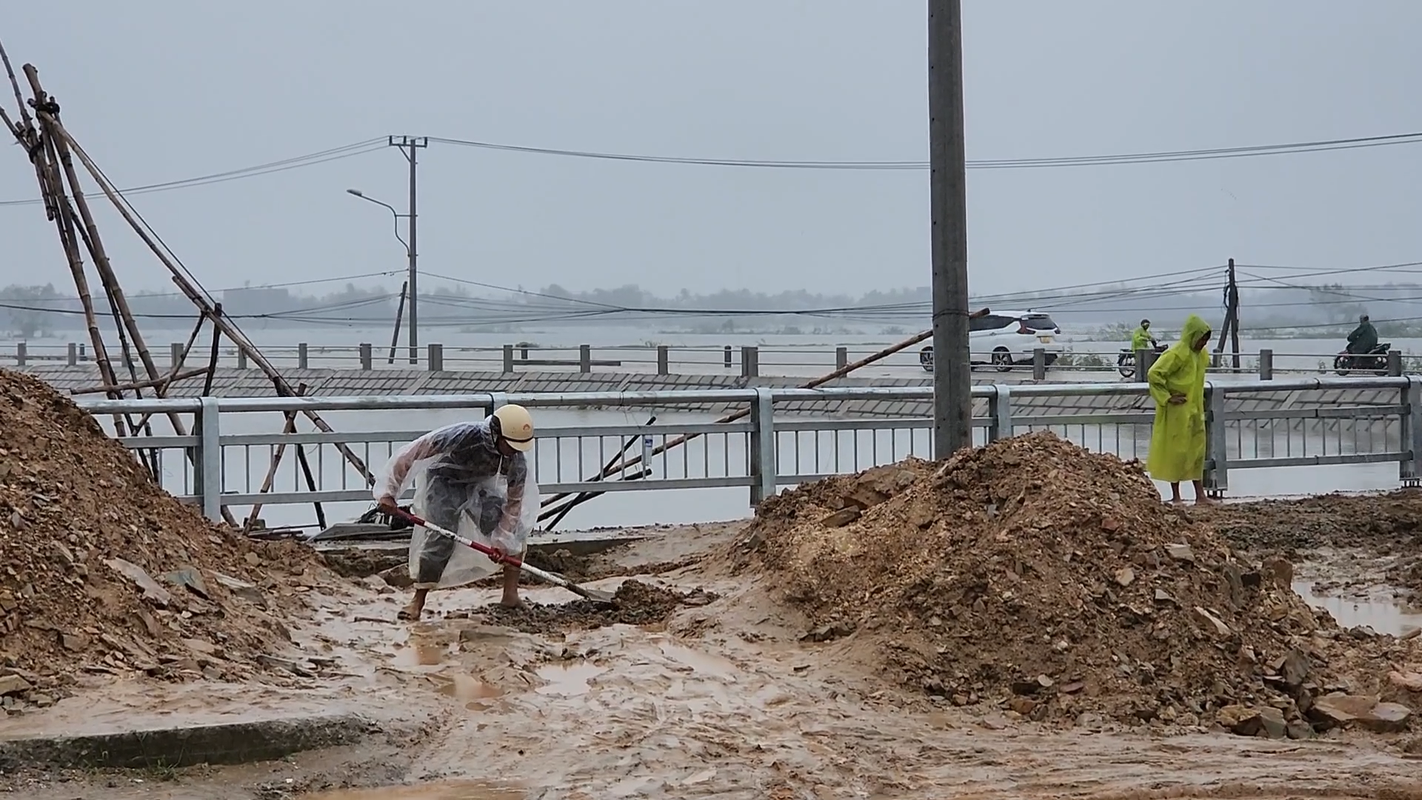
[[1158, 157], [269, 168]]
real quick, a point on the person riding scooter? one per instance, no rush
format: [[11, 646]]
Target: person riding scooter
[[1363, 338]]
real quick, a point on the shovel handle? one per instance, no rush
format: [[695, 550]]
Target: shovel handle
[[501, 558]]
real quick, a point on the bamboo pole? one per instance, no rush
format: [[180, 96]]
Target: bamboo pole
[[270, 478], [215, 352], [745, 412], [26, 134], [52, 190], [399, 314], [123, 313], [168, 379], [190, 291]]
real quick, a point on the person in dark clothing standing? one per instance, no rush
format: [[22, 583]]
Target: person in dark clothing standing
[[472, 478]]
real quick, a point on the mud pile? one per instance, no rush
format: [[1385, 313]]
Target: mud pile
[[101, 571], [1385, 527], [1053, 582], [634, 603]]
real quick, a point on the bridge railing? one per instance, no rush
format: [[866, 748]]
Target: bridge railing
[[781, 437], [1074, 360]]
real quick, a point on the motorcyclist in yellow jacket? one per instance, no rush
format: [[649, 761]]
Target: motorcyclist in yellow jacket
[[1142, 338]]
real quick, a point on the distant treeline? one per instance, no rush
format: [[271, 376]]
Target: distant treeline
[[30, 311]]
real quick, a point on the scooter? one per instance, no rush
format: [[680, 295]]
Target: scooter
[[1375, 360], [1126, 361]]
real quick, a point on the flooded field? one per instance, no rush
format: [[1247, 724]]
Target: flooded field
[[731, 695]]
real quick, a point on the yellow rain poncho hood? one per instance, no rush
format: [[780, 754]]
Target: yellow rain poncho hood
[[1177, 439]]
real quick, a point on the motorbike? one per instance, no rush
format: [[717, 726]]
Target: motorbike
[[1375, 360], [1126, 361]]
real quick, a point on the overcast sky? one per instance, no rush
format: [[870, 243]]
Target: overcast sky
[[160, 90]]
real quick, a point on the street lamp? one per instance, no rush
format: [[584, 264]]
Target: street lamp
[[410, 255]]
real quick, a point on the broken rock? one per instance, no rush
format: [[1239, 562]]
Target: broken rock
[[151, 590], [1386, 718], [13, 684]]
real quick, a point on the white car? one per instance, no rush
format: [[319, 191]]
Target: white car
[[1007, 338]]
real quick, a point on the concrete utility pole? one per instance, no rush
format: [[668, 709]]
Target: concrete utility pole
[[952, 367], [408, 145]]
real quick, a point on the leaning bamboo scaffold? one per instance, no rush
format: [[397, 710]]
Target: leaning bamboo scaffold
[[53, 152]]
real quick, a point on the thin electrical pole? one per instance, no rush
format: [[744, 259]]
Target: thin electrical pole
[[952, 367], [1230, 329], [408, 146]]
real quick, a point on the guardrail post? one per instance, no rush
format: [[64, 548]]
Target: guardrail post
[[1394, 363], [508, 359], [241, 358], [435, 358], [841, 357], [1266, 365], [21, 353], [727, 356], [367, 361], [498, 400], [585, 358], [175, 354], [83, 351], [1411, 431], [1000, 425], [1216, 455], [72, 354], [763, 468], [663, 360], [750, 361], [303, 356], [1215, 361], [1039, 364], [209, 459]]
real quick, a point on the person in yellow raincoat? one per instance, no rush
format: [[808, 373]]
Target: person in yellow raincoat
[[1177, 385]]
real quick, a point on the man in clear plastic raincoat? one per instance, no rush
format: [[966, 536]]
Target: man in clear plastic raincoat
[[472, 478], [1177, 385]]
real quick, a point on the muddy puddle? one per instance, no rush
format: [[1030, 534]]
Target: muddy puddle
[[463, 790], [1381, 613]]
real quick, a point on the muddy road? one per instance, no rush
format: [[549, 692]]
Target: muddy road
[[722, 696]]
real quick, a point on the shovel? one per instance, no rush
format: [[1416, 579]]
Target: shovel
[[547, 577]]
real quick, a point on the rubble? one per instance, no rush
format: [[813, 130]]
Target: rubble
[[1052, 583], [104, 573]]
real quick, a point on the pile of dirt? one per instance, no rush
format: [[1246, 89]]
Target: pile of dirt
[[1383, 528], [101, 571], [1054, 583], [634, 603], [1381, 524]]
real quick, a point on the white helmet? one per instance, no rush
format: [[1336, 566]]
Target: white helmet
[[515, 427]]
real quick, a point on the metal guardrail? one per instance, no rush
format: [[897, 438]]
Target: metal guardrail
[[1081, 359], [1257, 425]]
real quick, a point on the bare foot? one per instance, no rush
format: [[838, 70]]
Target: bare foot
[[511, 602], [411, 612], [1176, 501], [1204, 500]]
